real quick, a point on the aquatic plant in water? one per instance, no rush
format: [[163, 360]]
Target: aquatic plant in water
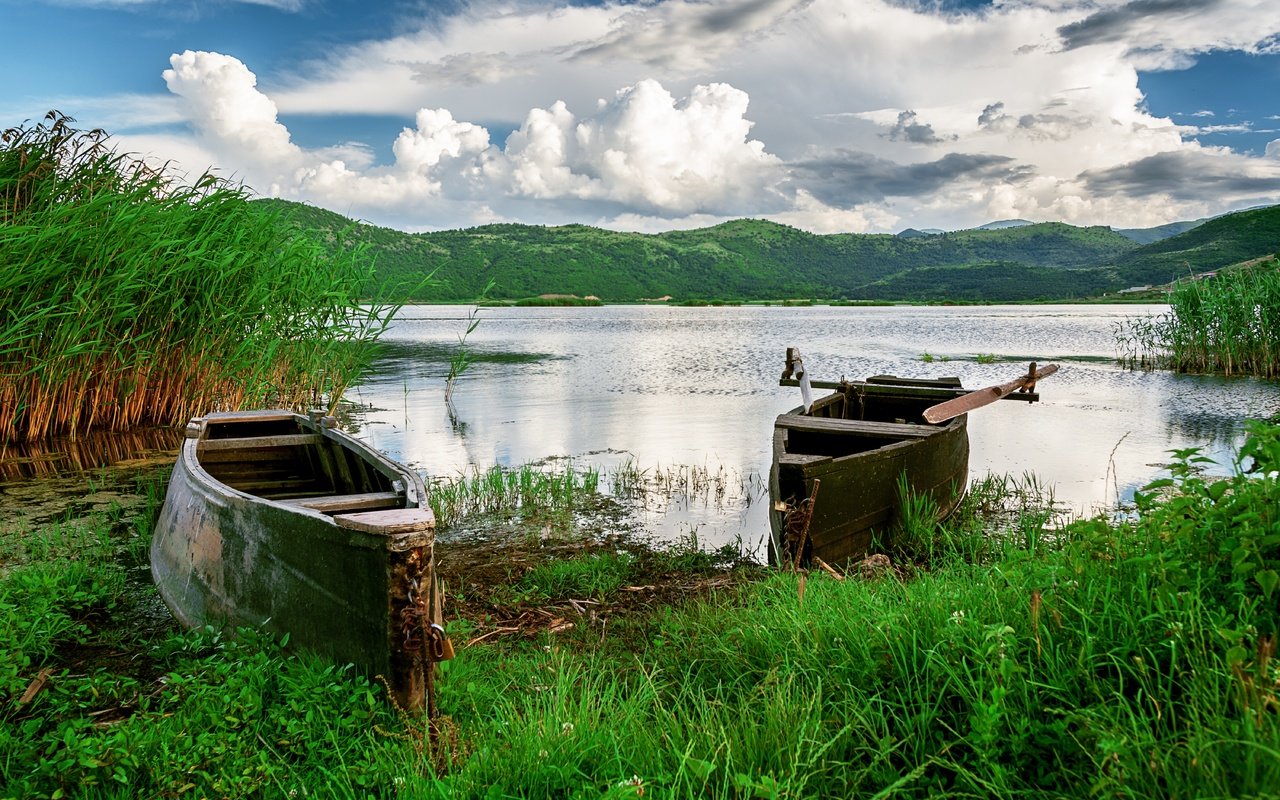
[[1227, 324]]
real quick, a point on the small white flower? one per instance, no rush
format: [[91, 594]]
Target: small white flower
[[957, 617], [566, 728], [636, 782]]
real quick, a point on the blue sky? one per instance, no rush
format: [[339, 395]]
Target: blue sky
[[831, 115]]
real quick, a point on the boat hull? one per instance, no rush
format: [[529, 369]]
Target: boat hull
[[860, 464], [231, 557]]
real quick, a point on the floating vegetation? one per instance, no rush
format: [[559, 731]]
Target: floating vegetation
[[128, 297], [686, 486], [1227, 324]]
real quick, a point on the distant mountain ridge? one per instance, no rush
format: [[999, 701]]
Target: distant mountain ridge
[[1001, 224], [750, 259], [1152, 235]]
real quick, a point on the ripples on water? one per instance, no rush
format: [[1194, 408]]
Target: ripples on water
[[666, 387]]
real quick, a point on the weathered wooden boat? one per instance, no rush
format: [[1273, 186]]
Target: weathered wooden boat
[[856, 446], [282, 521], [841, 463]]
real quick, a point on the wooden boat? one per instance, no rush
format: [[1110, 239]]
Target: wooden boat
[[281, 521], [855, 446]]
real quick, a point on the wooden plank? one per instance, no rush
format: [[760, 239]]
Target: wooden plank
[[855, 427], [800, 459], [288, 440], [399, 520], [256, 415], [935, 383], [342, 477], [253, 486], [326, 466], [346, 502], [238, 474], [265, 455]]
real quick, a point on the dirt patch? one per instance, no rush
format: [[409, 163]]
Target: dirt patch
[[487, 566]]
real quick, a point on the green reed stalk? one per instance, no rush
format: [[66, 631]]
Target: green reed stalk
[[130, 298], [527, 492], [1229, 324]]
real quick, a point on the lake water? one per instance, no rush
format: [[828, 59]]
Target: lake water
[[677, 388]]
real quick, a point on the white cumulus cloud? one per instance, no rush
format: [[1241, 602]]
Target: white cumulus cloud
[[646, 150], [222, 103], [820, 113]]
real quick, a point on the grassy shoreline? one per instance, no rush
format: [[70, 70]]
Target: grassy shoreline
[[1129, 658]]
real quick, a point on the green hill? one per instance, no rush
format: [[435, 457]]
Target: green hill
[[1216, 243], [758, 260]]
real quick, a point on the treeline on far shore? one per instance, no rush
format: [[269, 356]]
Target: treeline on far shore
[[752, 260]]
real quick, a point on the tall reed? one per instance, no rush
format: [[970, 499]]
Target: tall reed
[[129, 297], [1229, 324]]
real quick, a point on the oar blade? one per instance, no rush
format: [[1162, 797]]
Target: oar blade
[[983, 397], [961, 405]]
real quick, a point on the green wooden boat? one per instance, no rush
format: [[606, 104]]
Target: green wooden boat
[[281, 521], [854, 446]]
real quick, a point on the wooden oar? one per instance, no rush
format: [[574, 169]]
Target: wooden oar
[[966, 403]]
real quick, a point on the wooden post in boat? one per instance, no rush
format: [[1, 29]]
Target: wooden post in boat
[[795, 366], [808, 517]]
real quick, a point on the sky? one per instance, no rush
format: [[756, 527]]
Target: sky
[[828, 115]]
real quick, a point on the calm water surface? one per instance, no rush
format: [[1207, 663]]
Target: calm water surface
[[670, 387]]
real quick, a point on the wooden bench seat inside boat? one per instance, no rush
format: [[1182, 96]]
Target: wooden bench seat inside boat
[[854, 427], [339, 503], [274, 457], [266, 443]]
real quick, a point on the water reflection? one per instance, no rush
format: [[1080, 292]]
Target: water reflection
[[665, 387], [63, 456]]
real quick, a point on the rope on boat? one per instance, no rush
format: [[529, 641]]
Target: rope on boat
[[422, 624], [795, 524]]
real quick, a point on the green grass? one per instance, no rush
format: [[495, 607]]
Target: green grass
[[588, 576], [1100, 658], [128, 297]]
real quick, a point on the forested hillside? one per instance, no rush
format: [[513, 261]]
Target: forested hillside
[[760, 260], [1216, 243]]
